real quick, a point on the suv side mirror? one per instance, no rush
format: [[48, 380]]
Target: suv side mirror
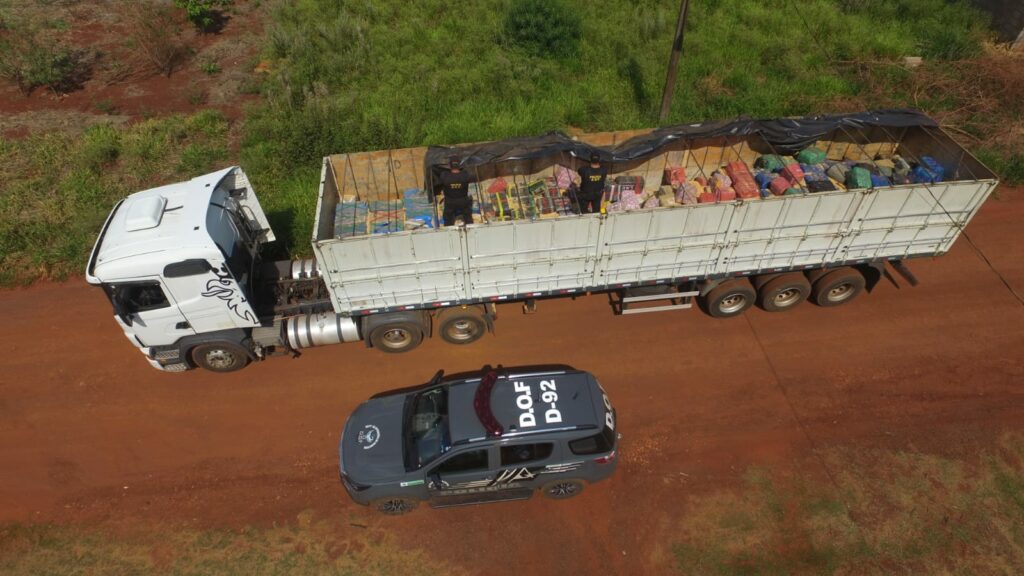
[[434, 480]]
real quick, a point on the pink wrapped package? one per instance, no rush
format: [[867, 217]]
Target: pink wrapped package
[[565, 177]]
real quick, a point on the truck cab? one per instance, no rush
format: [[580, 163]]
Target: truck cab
[[177, 263]]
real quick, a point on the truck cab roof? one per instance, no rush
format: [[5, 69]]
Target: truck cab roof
[[155, 227]]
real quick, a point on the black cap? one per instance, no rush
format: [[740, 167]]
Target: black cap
[[453, 162], [595, 157]]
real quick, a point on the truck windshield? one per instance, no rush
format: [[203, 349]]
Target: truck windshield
[[426, 427]]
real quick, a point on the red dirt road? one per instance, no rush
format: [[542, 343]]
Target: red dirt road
[[89, 432]]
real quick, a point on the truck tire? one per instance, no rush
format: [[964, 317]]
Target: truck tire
[[396, 337], [562, 489], [730, 298], [783, 292], [219, 356], [461, 325], [837, 287], [395, 506]]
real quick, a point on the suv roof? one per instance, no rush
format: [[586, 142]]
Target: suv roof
[[490, 406]]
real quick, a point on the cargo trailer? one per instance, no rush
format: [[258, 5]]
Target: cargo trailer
[[181, 263]]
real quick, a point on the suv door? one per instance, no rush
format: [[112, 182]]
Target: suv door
[[463, 472], [522, 465]]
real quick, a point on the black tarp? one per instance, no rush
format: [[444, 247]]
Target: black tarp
[[530, 155]]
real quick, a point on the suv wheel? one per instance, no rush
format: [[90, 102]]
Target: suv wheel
[[562, 489], [395, 506]]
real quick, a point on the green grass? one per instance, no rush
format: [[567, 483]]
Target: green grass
[[391, 73], [888, 512], [58, 188], [329, 548]]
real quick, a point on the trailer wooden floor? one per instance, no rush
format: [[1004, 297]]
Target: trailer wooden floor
[[89, 433]]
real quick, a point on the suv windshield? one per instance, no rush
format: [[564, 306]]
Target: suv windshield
[[426, 427]]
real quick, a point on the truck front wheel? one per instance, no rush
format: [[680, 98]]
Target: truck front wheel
[[220, 356]]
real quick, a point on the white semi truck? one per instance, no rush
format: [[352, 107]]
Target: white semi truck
[[181, 263]]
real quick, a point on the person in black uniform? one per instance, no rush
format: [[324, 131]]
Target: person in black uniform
[[457, 201], [592, 179]]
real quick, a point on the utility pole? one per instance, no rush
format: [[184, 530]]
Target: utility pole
[[673, 61]]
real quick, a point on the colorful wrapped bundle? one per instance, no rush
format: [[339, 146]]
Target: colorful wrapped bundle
[[838, 170], [879, 181], [565, 177], [763, 179], [770, 163], [720, 181], [820, 185], [811, 155], [419, 210], [929, 171], [674, 176], [498, 185], [742, 180], [634, 184], [688, 193], [350, 219], [629, 200], [779, 185], [858, 178], [813, 173], [794, 173]]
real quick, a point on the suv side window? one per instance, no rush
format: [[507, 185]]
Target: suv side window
[[521, 453], [596, 444], [138, 297], [465, 462]]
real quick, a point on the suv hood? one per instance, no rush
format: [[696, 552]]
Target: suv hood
[[371, 444]]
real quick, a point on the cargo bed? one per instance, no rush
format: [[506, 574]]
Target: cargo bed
[[497, 260]]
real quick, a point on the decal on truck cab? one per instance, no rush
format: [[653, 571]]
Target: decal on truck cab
[[548, 396], [223, 287]]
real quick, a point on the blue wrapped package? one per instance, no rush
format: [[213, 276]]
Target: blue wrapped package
[[764, 180], [814, 172], [929, 171], [350, 219], [879, 181], [419, 210]]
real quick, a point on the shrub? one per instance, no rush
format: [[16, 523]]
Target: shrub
[[32, 60], [203, 13], [544, 28], [157, 33]]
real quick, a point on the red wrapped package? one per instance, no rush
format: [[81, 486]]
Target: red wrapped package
[[499, 185], [706, 198], [779, 185], [794, 174], [742, 181], [674, 176], [727, 194]]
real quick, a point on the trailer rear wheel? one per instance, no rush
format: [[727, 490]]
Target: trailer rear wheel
[[220, 356], [783, 292], [730, 298], [837, 287], [461, 325]]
